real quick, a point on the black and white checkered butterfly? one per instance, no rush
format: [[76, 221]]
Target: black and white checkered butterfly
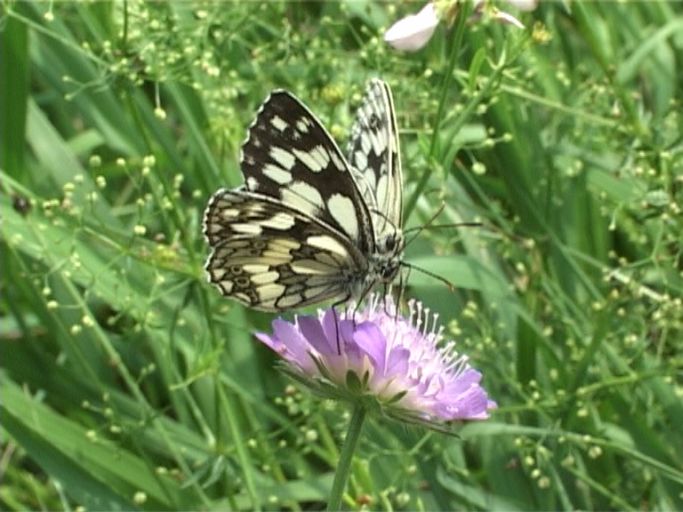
[[309, 225]]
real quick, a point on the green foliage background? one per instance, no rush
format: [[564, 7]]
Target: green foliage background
[[127, 382]]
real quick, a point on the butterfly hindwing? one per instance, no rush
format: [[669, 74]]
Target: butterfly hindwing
[[373, 152], [289, 156], [272, 257]]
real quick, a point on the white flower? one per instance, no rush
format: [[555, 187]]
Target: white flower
[[506, 17], [413, 32], [524, 5], [485, 8]]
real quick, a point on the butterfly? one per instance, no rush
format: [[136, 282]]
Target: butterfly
[[310, 225]]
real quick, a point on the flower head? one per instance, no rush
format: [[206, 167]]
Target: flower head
[[399, 366]]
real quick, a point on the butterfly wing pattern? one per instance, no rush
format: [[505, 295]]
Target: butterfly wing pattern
[[374, 155], [304, 227]]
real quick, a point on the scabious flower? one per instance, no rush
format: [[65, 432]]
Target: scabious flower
[[412, 32], [400, 367]]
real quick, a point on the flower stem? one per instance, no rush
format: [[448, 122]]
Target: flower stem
[[456, 49], [345, 457]]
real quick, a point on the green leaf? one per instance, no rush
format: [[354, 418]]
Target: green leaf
[[93, 470], [14, 81]]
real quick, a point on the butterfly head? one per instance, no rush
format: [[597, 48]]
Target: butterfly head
[[389, 256]]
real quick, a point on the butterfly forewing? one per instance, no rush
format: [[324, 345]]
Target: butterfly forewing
[[373, 152], [290, 156], [272, 257]]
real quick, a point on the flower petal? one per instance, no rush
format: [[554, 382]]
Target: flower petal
[[462, 382], [473, 404], [524, 5], [413, 32], [330, 323], [313, 331], [271, 342], [398, 362], [372, 342], [289, 338], [464, 398], [507, 18]]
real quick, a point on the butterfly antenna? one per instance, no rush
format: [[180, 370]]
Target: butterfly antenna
[[386, 218], [443, 226], [419, 229], [442, 279]]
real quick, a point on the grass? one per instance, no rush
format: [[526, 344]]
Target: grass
[[128, 382]]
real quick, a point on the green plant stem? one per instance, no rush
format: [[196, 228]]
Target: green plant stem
[[456, 47], [346, 455]]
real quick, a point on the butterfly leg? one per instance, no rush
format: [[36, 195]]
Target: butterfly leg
[[389, 292], [361, 298], [401, 289], [386, 288], [356, 304], [337, 320]]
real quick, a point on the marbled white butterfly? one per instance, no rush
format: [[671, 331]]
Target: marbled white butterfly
[[309, 225]]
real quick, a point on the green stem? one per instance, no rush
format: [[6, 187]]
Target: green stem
[[346, 455], [456, 47]]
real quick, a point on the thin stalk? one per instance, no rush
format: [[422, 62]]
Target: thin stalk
[[445, 89], [345, 458]]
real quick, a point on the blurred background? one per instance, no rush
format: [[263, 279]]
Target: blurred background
[[127, 382]]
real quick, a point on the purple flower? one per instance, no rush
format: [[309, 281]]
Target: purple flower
[[400, 366]]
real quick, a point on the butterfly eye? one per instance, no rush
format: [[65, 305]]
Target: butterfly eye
[[389, 272]]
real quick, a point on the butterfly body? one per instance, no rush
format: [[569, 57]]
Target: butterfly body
[[309, 225]]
